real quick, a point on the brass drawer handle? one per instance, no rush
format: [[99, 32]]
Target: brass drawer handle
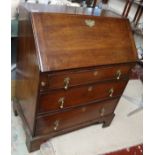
[[111, 91], [61, 101], [66, 83], [102, 112], [56, 124], [118, 74]]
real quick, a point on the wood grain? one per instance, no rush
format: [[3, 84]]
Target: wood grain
[[27, 72], [55, 43], [55, 80], [80, 95], [74, 117], [67, 40]]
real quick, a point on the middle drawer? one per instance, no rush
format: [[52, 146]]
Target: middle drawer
[[60, 99]]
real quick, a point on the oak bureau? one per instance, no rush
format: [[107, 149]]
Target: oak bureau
[[73, 65]]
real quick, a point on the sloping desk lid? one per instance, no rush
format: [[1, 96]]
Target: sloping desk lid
[[66, 41]]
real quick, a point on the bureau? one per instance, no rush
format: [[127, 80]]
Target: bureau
[[73, 65]]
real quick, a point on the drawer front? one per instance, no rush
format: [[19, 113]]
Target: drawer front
[[63, 120], [73, 78], [61, 99]]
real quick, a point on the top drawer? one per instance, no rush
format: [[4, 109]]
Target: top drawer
[[66, 79]]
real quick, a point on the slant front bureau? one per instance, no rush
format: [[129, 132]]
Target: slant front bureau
[[72, 69]]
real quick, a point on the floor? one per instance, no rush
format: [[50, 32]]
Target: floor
[[126, 130]]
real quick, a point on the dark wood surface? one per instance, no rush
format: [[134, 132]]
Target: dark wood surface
[[83, 76], [55, 44], [33, 143], [80, 95], [74, 117], [67, 40], [27, 71]]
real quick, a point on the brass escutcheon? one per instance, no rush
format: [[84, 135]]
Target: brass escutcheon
[[90, 22]]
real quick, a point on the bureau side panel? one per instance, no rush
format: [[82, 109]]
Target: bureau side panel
[[27, 69]]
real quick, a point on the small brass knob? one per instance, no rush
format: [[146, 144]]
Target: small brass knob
[[102, 111], [118, 74], [61, 101], [43, 84], [83, 109], [66, 83], [56, 124], [111, 91], [95, 73], [90, 88]]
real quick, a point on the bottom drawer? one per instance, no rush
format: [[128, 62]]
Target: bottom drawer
[[67, 119]]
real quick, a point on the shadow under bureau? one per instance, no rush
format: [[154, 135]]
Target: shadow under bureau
[[71, 68]]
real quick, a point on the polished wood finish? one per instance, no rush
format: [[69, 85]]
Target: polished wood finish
[[33, 143], [79, 77], [70, 75], [27, 71], [46, 124], [116, 39], [80, 95]]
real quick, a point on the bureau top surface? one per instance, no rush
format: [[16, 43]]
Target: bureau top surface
[[66, 41]]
